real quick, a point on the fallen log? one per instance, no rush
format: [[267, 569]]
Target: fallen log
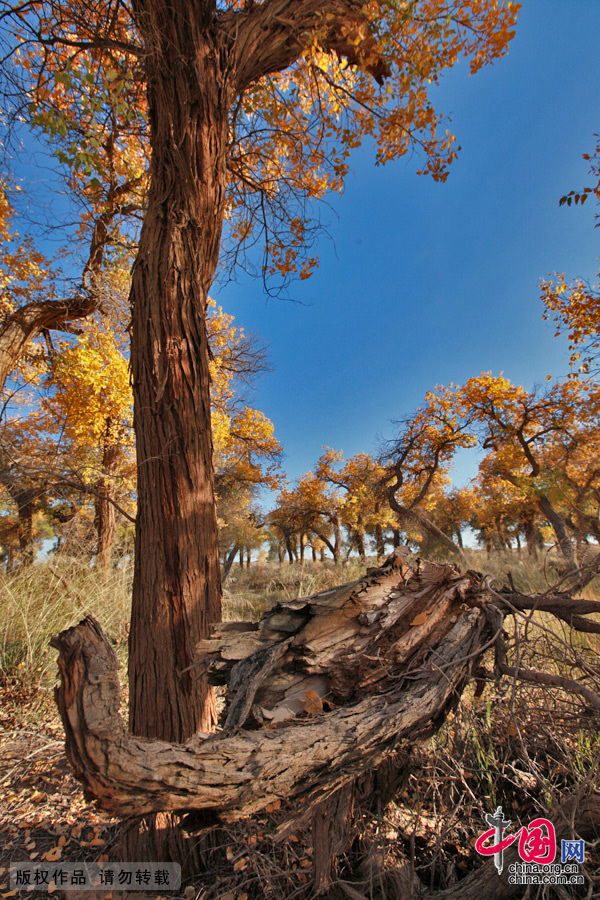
[[322, 690]]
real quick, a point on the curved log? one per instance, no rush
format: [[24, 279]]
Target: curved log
[[395, 648]]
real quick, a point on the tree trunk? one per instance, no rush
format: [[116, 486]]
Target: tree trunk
[[337, 542], [379, 542], [559, 527], [419, 518], [26, 498], [359, 539], [241, 558], [105, 519], [289, 547], [176, 588], [26, 505], [228, 561]]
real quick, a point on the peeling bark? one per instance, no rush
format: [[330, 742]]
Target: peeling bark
[[365, 652]]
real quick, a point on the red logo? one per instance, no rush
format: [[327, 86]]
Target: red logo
[[537, 842]]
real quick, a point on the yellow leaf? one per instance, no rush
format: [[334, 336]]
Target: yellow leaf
[[271, 807], [420, 619], [313, 705]]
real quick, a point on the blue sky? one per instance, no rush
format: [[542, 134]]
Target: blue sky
[[422, 283]]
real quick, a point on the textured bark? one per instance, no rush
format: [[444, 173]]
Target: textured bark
[[331, 823], [344, 650], [176, 592]]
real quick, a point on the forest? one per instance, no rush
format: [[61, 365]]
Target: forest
[[329, 685]]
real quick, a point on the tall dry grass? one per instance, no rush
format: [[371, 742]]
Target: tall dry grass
[[40, 600]]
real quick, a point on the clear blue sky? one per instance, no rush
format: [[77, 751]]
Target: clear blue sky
[[424, 283]]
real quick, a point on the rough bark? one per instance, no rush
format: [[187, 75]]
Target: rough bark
[[176, 592], [366, 652]]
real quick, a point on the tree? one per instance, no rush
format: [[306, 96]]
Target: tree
[[251, 108], [363, 508], [532, 435], [417, 463], [311, 507], [88, 407], [575, 307]]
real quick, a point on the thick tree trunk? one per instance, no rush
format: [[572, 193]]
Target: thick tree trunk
[[337, 538], [289, 548], [176, 589], [360, 545], [26, 506], [26, 498]]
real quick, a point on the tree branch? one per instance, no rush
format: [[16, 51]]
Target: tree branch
[[271, 36]]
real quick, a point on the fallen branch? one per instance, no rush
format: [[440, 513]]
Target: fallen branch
[[355, 641], [322, 690]]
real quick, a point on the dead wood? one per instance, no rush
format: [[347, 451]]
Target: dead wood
[[327, 686], [322, 690]]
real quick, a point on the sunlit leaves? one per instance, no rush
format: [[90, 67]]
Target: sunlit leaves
[[26, 275], [575, 306]]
